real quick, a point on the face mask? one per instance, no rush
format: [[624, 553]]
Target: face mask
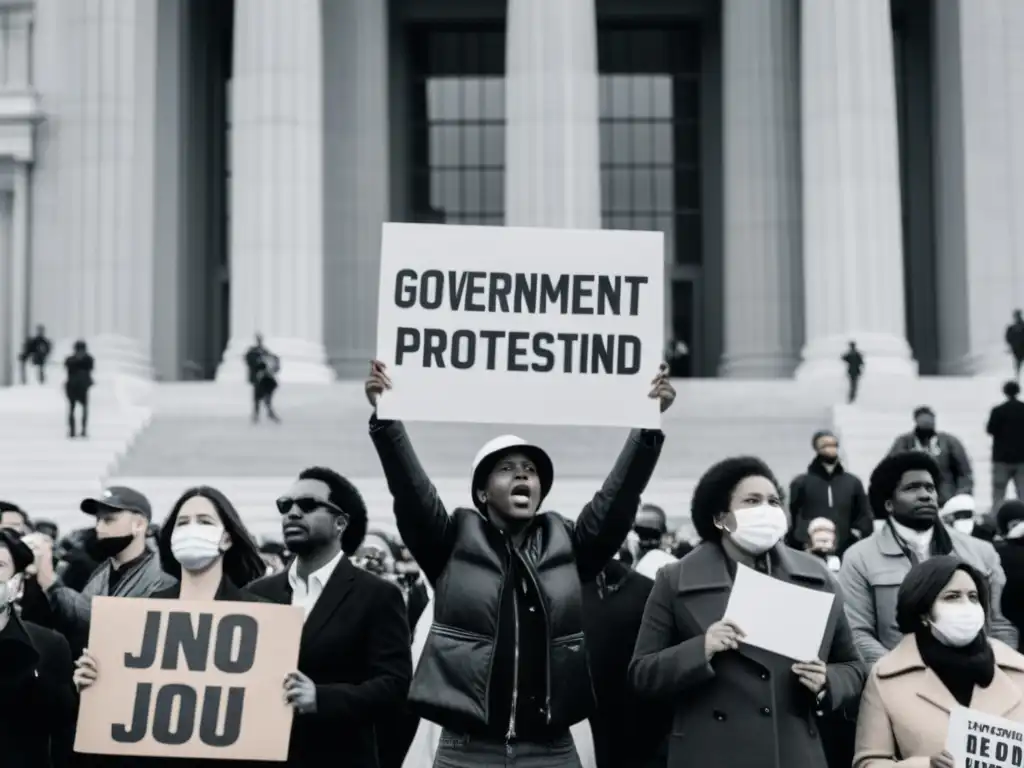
[[111, 546], [1016, 531], [758, 529], [965, 526], [196, 546], [957, 624], [10, 590]]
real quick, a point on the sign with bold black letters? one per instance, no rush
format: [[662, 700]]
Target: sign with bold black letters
[[189, 679]]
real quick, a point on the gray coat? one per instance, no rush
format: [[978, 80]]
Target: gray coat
[[872, 572], [71, 609], [744, 709]]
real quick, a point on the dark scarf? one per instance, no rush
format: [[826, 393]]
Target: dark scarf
[[959, 669], [942, 542]]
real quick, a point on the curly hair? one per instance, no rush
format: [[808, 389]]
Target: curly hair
[[923, 585], [346, 497], [885, 478], [714, 491]]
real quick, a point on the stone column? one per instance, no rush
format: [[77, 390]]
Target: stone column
[[277, 202], [761, 180], [852, 229], [552, 151], [92, 267], [979, 150], [357, 177], [18, 217]]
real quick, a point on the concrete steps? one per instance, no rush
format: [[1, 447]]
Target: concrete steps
[[40, 468]]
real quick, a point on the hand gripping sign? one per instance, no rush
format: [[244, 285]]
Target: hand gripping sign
[[189, 679]]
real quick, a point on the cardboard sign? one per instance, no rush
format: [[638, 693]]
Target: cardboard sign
[[521, 326], [189, 679], [977, 740]]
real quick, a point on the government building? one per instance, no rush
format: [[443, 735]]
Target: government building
[[178, 175]]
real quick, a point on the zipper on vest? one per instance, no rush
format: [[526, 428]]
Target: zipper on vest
[[547, 639], [511, 735], [830, 504]]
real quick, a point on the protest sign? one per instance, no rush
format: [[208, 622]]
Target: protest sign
[[189, 679], [977, 740], [521, 326]]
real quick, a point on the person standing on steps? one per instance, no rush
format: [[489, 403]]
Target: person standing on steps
[[505, 668], [36, 350], [79, 366], [854, 368], [1015, 341], [263, 367]]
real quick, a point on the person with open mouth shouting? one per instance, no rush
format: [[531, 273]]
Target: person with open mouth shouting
[[504, 670]]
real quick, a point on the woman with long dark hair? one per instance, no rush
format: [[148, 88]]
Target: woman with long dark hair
[[204, 544], [945, 658]]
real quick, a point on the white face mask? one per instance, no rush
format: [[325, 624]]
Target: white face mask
[[758, 529], [196, 546], [10, 591], [957, 624], [965, 526]]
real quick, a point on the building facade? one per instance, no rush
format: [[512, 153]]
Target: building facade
[[179, 175]]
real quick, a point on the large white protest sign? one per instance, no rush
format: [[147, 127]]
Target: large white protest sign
[[977, 740], [521, 326]]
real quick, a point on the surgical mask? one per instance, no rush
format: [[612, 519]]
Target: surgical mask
[[196, 546], [964, 526], [957, 624], [1016, 530], [758, 529], [10, 590]]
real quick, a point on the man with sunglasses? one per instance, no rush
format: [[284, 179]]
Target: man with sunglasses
[[355, 660]]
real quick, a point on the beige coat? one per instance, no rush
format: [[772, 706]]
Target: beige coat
[[904, 712]]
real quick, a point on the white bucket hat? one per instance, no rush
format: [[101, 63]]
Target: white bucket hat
[[488, 456]]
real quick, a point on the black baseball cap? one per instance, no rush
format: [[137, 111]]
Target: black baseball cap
[[119, 498]]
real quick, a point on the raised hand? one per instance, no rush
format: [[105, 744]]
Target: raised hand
[[662, 389], [377, 382]]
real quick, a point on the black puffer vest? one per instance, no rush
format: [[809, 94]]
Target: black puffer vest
[[452, 681]]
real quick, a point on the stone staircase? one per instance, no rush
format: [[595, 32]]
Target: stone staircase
[[201, 433], [43, 471], [868, 428]]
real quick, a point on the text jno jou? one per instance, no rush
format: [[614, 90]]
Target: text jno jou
[[229, 647], [520, 293]]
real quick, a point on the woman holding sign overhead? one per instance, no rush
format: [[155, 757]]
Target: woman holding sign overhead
[[735, 704], [945, 659], [204, 543]]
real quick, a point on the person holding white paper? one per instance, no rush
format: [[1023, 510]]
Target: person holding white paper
[[737, 705], [945, 659]]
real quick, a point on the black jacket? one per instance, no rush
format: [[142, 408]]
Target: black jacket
[[1006, 425], [838, 495], [487, 648], [38, 704], [356, 649]]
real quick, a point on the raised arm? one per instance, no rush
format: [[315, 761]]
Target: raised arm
[[605, 521], [423, 522]]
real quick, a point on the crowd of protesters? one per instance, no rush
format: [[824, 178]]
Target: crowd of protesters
[[540, 642]]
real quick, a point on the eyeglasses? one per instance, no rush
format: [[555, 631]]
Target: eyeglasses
[[306, 504]]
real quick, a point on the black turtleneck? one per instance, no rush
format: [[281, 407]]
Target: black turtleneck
[[959, 669]]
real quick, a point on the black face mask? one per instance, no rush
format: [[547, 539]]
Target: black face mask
[[111, 546], [650, 538], [924, 434]]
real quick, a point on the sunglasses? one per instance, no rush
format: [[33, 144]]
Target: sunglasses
[[306, 504]]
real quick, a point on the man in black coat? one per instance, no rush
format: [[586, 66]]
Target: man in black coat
[[828, 490], [38, 706], [628, 732], [355, 658], [1006, 425]]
